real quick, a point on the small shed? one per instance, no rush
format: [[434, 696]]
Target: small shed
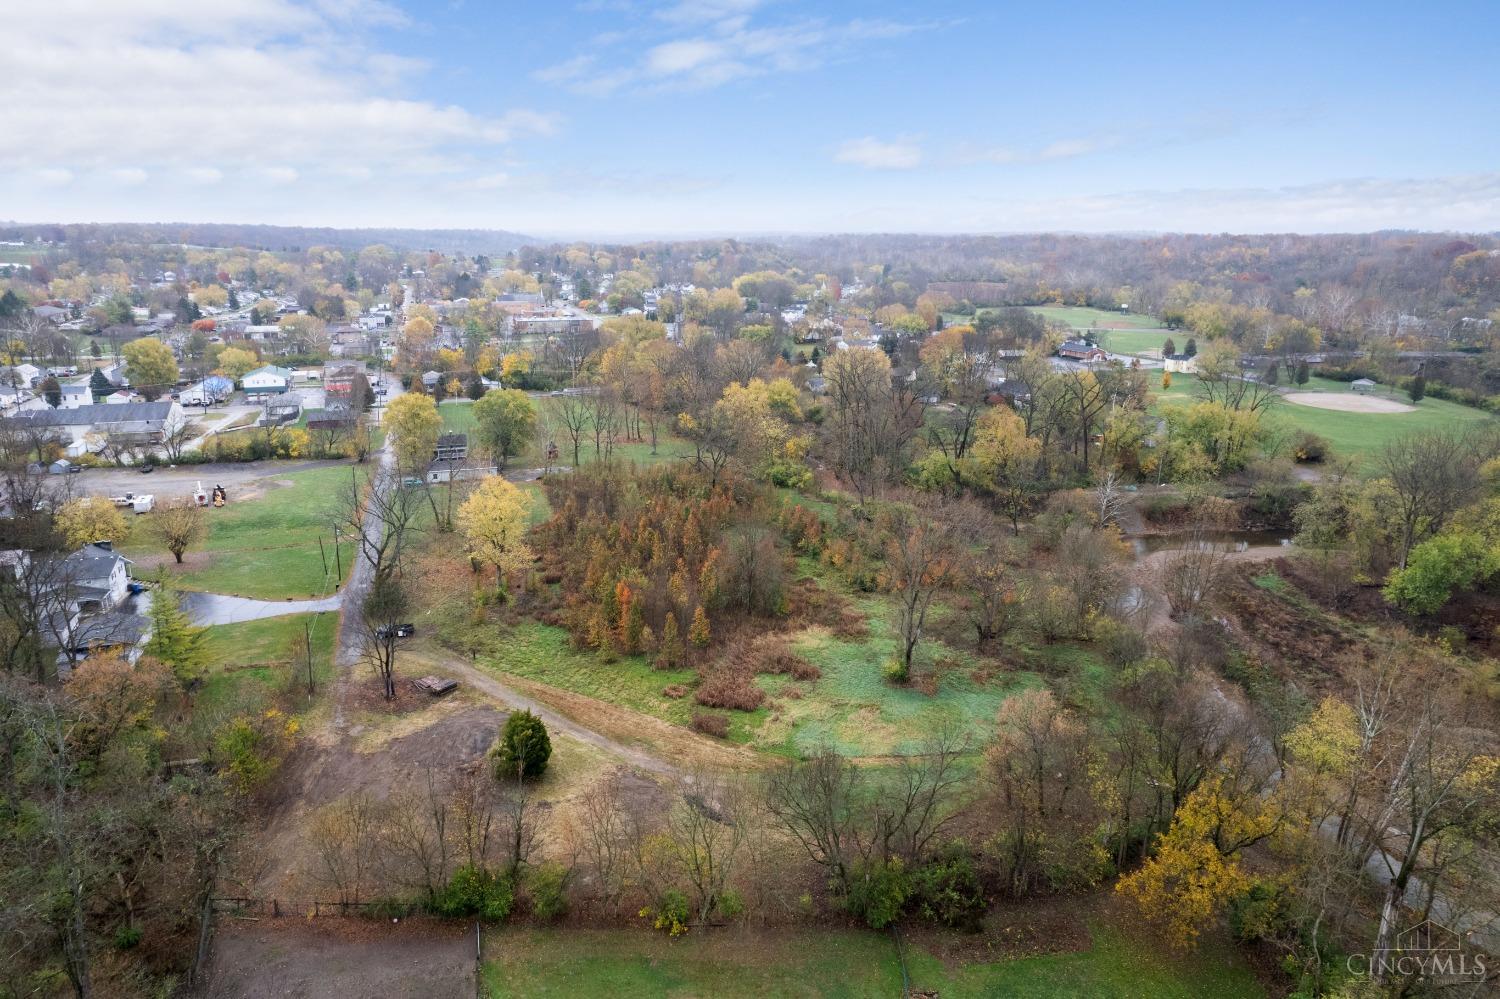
[[1362, 385]]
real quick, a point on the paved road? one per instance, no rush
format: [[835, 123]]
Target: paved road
[[219, 608], [361, 575]]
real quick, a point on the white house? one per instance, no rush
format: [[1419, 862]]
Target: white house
[[86, 428], [100, 576], [1180, 363], [269, 380], [77, 395]]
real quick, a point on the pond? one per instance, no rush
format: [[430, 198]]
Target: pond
[[1235, 541]]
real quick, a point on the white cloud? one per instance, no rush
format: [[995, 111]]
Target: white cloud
[[204, 175], [875, 154], [700, 44], [171, 83], [1061, 149], [129, 176], [54, 176], [279, 174]]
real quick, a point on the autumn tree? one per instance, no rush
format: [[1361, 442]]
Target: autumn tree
[[494, 521], [922, 547], [150, 366], [178, 525], [505, 423], [235, 363], [870, 420], [88, 519], [413, 423], [1196, 867]]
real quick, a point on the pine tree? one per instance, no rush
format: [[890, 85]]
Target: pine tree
[[698, 633], [1418, 388], [1303, 374], [174, 639], [99, 385], [670, 655]]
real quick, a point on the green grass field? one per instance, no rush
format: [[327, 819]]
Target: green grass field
[[1083, 318], [835, 963], [1356, 436], [265, 547], [252, 660], [1137, 341], [458, 416]]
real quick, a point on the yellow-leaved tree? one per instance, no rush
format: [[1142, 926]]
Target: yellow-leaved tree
[[1195, 871], [90, 518], [494, 520], [413, 423], [236, 362]]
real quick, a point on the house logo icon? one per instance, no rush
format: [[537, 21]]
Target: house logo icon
[[1429, 937]]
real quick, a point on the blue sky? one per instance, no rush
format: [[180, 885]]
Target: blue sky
[[619, 117]]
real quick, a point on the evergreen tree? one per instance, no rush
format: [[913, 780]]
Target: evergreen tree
[[524, 747], [52, 392], [1418, 388], [1168, 348], [99, 385], [1302, 373], [1192, 347], [174, 639]]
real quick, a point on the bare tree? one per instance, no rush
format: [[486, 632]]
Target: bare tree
[[381, 516], [383, 611], [575, 413], [178, 524], [1433, 474], [922, 545], [705, 831], [603, 841]]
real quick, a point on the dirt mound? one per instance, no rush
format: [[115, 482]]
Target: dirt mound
[[341, 957], [1348, 402]]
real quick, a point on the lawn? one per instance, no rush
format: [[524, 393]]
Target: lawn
[[267, 546], [458, 416], [1113, 968], [639, 964], [628, 964], [252, 660], [1084, 318], [1138, 341], [1359, 436]]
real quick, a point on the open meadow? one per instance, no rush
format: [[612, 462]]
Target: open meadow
[[1358, 436], [272, 541]]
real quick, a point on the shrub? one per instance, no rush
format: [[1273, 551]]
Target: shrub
[[126, 937], [1260, 913], [476, 891], [711, 724], [948, 891], [546, 886], [1121, 644], [524, 746], [730, 687], [669, 914], [878, 892], [1309, 448], [895, 671], [674, 691]]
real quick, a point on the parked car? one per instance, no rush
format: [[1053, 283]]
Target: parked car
[[147, 469], [405, 630]]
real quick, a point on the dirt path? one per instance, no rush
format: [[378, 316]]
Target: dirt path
[[1145, 575], [604, 726], [344, 958]]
